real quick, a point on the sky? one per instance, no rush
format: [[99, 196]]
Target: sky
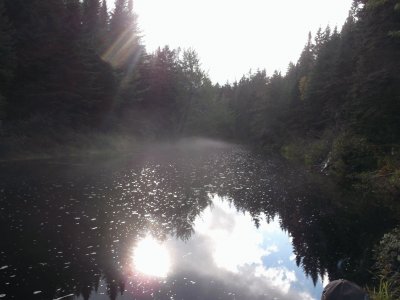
[[233, 37]]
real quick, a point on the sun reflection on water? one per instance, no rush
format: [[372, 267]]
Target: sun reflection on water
[[151, 258]]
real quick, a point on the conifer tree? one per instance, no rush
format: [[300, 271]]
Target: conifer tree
[[191, 81], [90, 21], [7, 58], [73, 20], [104, 17], [377, 81], [118, 17], [103, 30], [125, 48], [304, 66]]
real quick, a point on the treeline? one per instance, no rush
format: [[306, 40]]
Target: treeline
[[71, 65], [337, 108]]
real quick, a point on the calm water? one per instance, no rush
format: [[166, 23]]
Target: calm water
[[197, 220]]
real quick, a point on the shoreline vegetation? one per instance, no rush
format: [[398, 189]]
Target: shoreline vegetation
[[76, 80], [79, 146]]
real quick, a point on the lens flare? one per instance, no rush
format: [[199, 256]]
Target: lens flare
[[151, 258]]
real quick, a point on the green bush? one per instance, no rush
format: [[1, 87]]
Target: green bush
[[352, 155], [382, 292], [387, 261], [316, 152], [292, 151], [310, 152]]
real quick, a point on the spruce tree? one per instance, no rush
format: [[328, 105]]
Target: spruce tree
[[377, 82], [104, 17], [7, 58], [104, 27], [73, 20], [90, 21], [124, 49]]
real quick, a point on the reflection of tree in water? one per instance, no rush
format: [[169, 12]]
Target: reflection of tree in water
[[333, 231], [67, 231], [66, 237]]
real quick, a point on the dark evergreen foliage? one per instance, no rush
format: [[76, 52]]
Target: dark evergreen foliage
[[344, 81], [73, 65], [7, 58], [68, 65]]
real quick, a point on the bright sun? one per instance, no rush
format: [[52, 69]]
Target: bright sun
[[151, 258]]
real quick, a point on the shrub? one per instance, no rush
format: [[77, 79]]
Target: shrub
[[352, 155], [387, 257]]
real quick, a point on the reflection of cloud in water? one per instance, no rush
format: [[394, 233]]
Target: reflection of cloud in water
[[280, 278], [228, 250], [234, 240]]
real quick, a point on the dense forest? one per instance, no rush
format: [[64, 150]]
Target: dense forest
[[76, 74], [73, 66], [69, 67], [72, 71]]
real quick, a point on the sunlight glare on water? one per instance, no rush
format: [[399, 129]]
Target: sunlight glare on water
[[151, 258]]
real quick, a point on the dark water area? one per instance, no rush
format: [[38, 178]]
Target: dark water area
[[195, 220]]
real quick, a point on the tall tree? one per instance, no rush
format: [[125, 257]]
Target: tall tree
[[377, 81], [304, 66], [191, 81], [125, 48], [104, 17], [7, 58], [40, 46], [321, 81], [73, 20], [90, 21], [160, 76]]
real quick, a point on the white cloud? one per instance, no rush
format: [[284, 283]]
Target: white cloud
[[234, 238], [280, 278], [306, 296], [228, 248]]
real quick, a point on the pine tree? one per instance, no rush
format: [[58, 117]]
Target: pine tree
[[118, 17], [104, 27], [7, 58], [40, 43], [320, 88], [304, 66], [125, 48], [377, 82], [191, 81], [73, 20], [90, 21], [160, 76], [104, 17]]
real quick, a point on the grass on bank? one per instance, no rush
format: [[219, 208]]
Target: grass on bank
[[386, 290], [68, 144]]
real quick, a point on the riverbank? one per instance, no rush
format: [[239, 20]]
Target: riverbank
[[350, 159], [69, 144], [369, 172]]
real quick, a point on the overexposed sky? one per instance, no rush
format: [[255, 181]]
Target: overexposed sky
[[234, 36]]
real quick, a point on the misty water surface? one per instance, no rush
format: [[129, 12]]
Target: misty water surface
[[194, 220]]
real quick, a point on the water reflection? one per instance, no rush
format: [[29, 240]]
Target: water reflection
[[71, 228], [151, 257], [236, 260]]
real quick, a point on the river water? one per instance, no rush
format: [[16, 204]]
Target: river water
[[198, 219]]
